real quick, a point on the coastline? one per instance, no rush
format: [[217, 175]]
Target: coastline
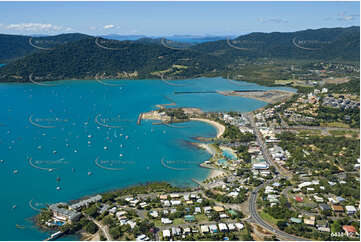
[[215, 173], [269, 96], [220, 128], [206, 147]]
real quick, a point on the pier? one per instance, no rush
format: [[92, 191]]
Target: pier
[[54, 236], [139, 120]]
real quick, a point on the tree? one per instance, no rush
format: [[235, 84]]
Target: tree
[[282, 225], [115, 232], [91, 227], [92, 211]]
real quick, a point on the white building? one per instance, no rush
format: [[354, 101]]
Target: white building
[[166, 233], [350, 210]]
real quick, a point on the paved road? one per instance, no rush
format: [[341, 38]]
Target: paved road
[[253, 198], [263, 146], [261, 222]]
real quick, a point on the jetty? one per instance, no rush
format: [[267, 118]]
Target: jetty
[[199, 92], [139, 120], [54, 236], [194, 92]]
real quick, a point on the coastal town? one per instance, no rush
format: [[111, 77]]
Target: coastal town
[[268, 180]]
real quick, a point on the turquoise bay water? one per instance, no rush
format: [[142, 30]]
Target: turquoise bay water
[[54, 127]]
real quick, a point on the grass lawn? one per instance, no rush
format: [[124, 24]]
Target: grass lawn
[[335, 124], [201, 218], [283, 82], [268, 217], [177, 221], [157, 222], [333, 229]]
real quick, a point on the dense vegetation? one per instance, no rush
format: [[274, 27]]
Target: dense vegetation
[[84, 59], [331, 43], [78, 56], [17, 46], [305, 152]]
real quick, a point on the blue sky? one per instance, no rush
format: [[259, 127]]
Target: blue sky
[[169, 18]]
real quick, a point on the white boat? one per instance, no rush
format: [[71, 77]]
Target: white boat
[[105, 147], [120, 155], [15, 171], [89, 173], [58, 188]]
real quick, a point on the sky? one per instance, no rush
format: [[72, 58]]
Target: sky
[[173, 18]]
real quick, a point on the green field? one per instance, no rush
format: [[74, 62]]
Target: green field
[[268, 217]]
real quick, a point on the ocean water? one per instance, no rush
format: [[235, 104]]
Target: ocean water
[[82, 138]]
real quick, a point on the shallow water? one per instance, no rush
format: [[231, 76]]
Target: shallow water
[[52, 132]]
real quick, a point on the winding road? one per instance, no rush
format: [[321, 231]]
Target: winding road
[[254, 216]]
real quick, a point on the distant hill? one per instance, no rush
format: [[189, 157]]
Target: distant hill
[[78, 56], [93, 57], [17, 46], [322, 44]]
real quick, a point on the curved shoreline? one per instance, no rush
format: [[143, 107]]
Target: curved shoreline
[[220, 127]]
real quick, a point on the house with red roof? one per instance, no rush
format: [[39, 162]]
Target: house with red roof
[[299, 199], [349, 230]]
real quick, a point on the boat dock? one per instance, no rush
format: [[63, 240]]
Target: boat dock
[[54, 236], [140, 117]]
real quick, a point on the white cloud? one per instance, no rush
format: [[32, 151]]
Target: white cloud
[[109, 26], [36, 27]]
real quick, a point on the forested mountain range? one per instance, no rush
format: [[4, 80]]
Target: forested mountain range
[[78, 56]]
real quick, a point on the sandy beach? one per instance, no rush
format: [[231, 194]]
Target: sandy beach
[[220, 128], [214, 173], [207, 147]]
